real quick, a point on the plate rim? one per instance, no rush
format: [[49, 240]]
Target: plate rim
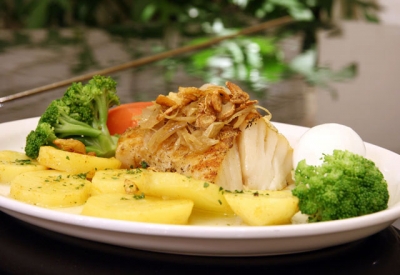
[[289, 230], [204, 231]]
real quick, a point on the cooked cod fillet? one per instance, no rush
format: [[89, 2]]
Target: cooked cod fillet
[[209, 165], [266, 156], [211, 133]]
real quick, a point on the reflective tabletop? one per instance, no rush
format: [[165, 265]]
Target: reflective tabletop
[[27, 249]]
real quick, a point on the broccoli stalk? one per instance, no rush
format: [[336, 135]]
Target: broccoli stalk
[[80, 114], [345, 185]]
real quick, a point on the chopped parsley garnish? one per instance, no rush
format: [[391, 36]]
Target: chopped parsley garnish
[[139, 196], [23, 161], [144, 164], [134, 171], [81, 176]]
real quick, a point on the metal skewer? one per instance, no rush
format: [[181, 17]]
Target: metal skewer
[[148, 59]]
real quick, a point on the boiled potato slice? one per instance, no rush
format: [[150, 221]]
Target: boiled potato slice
[[50, 188], [263, 207], [14, 163], [138, 208], [75, 163], [206, 196], [113, 181]]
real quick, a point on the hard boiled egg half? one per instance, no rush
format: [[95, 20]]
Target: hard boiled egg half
[[323, 139]]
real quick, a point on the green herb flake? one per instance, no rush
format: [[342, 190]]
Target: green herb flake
[[23, 161], [144, 164], [139, 196], [80, 186], [81, 176], [134, 171]]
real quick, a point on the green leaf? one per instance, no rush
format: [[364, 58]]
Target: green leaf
[[304, 63], [148, 12], [267, 45], [201, 58], [37, 18], [234, 50]]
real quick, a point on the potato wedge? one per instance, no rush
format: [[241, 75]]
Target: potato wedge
[[115, 181], [138, 208], [75, 163], [263, 207], [206, 196], [50, 188], [13, 163]]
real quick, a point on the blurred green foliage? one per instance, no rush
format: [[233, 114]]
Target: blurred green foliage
[[191, 17], [256, 60]]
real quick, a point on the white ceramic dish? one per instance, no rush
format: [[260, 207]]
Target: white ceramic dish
[[207, 240]]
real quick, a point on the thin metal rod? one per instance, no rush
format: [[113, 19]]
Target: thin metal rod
[[149, 59]]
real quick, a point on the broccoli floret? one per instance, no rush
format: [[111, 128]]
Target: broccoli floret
[[78, 103], [58, 115], [345, 185], [43, 135], [80, 114]]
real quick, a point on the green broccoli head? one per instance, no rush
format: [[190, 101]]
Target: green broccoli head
[[58, 115], [43, 135], [345, 185], [81, 114], [100, 91], [78, 103], [52, 113]]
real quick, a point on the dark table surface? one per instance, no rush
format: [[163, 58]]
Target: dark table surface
[[27, 249]]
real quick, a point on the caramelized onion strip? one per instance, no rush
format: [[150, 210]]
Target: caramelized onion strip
[[268, 116], [241, 115], [163, 133], [149, 116]]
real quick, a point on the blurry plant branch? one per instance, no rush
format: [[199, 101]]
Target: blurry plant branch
[[153, 58]]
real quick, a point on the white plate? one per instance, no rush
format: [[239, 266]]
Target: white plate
[[208, 240]]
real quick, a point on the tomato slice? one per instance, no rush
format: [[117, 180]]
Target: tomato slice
[[121, 117]]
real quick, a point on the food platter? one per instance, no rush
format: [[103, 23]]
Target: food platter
[[206, 239]]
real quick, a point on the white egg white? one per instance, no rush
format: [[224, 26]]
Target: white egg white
[[323, 139]]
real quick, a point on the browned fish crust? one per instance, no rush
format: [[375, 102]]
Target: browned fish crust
[[132, 151]]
